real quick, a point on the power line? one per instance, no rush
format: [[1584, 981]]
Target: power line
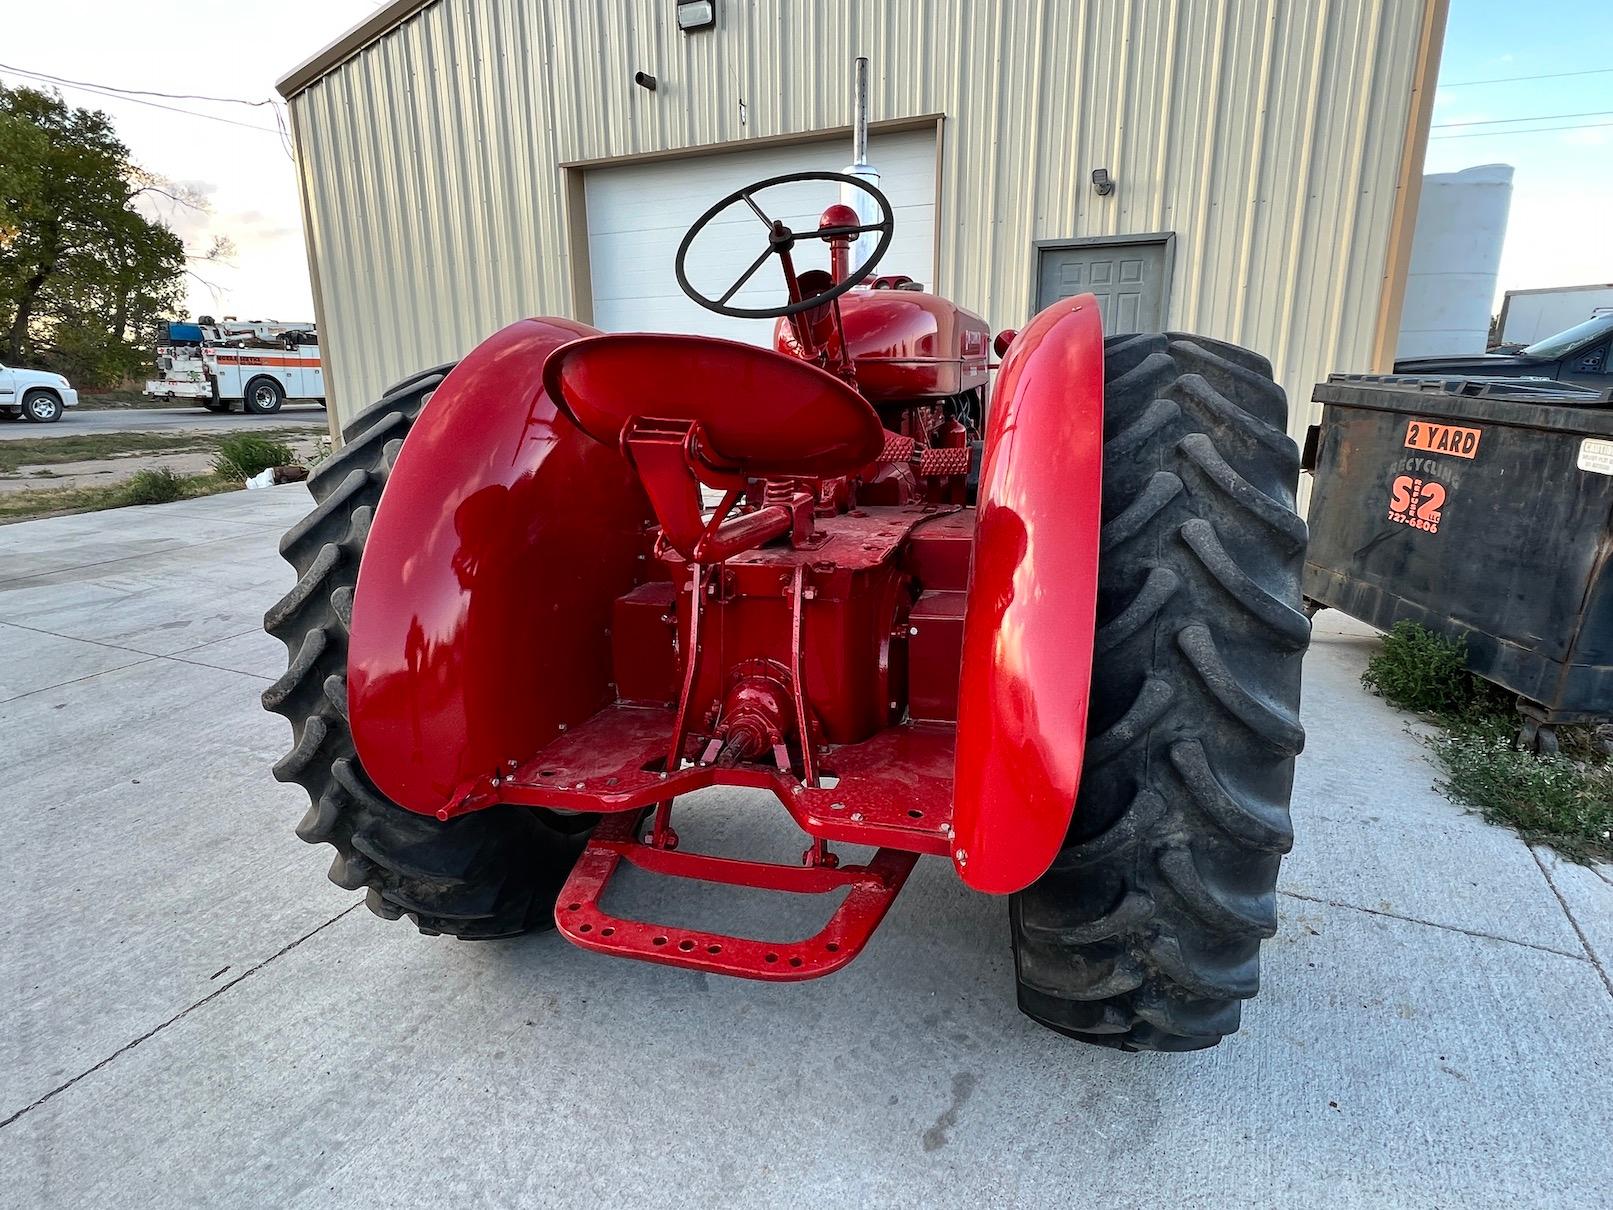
[[133, 92], [1490, 134], [1550, 75], [1539, 117], [195, 113]]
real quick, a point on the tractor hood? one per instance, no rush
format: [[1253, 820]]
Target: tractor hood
[[907, 344]]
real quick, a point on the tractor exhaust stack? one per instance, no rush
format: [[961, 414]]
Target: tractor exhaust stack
[[859, 119], [863, 247]]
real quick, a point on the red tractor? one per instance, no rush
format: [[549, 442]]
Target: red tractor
[[549, 591]]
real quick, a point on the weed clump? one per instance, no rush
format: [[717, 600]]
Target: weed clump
[[160, 486], [1564, 800], [1419, 670], [242, 455]]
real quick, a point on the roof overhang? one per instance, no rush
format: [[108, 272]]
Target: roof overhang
[[374, 27]]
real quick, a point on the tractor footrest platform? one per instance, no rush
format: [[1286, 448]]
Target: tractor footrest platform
[[583, 922]]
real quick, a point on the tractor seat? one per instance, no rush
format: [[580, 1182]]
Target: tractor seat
[[760, 414]]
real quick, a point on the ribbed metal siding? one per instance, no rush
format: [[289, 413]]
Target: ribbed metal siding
[[1266, 134]]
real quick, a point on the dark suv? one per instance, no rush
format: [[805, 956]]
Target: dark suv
[[1579, 356]]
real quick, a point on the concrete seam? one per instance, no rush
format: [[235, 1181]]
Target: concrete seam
[[257, 676], [6, 701], [1434, 924], [227, 638], [124, 1049], [75, 639], [1590, 954]]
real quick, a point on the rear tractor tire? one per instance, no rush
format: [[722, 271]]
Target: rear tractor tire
[[1145, 932], [491, 873]]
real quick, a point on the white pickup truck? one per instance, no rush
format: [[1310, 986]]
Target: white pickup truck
[[34, 395]]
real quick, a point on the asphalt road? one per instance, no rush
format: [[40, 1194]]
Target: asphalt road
[[147, 420], [195, 1016]]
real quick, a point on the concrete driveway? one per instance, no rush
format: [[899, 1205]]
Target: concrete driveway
[[156, 420], [195, 1016]]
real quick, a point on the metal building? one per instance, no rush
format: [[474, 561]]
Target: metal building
[[467, 162]]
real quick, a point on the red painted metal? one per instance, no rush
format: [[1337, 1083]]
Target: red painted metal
[[582, 921], [1027, 644], [892, 789], [480, 627], [759, 414], [906, 344], [549, 613], [839, 215]]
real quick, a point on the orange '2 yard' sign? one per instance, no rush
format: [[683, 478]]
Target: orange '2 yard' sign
[[1442, 438]]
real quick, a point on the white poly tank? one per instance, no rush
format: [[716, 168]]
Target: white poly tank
[[1455, 257]]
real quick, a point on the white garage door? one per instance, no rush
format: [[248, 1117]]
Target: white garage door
[[637, 215]]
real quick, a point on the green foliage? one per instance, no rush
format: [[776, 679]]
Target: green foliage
[[1565, 801], [53, 501], [158, 486], [1561, 801], [1417, 669], [84, 276], [242, 455], [89, 447]]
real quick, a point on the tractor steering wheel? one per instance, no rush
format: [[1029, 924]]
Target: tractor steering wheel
[[780, 240]]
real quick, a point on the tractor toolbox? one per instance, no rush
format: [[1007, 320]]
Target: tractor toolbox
[[1482, 509]]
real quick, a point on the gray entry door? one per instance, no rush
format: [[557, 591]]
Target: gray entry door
[[1131, 281]]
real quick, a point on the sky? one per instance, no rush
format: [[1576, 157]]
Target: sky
[[197, 47], [1558, 232]]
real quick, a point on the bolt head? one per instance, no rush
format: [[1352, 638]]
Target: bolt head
[[856, 817], [962, 857], [912, 630]]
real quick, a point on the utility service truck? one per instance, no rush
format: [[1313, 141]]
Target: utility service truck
[[256, 363]]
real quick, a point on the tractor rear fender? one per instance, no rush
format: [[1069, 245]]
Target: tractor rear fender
[[1028, 626], [480, 619]]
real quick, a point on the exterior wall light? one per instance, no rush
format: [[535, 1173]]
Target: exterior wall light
[[1102, 183], [696, 14], [644, 80]]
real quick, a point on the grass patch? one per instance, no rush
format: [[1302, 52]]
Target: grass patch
[[145, 487], [104, 447], [1564, 800], [98, 400], [148, 486], [90, 447], [242, 455], [1419, 670]]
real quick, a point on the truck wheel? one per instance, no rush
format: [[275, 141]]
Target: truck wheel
[[1145, 932], [263, 396], [492, 873], [41, 407]]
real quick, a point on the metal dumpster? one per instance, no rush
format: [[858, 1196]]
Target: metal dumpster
[[1483, 509]]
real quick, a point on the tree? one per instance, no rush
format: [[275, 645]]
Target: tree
[[84, 276]]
